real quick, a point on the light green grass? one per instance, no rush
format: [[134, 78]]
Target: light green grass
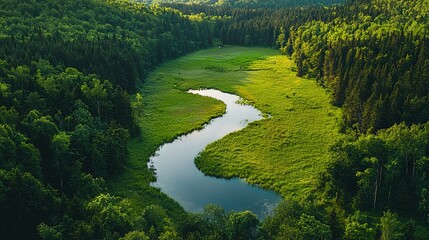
[[284, 152], [287, 151], [169, 112]]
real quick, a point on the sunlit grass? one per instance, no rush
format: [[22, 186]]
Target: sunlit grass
[[287, 151], [284, 152]]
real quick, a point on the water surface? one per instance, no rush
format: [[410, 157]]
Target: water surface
[[178, 177]]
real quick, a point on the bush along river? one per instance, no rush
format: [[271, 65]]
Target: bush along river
[[178, 177]]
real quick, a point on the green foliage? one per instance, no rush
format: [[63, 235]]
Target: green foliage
[[66, 116], [157, 224], [116, 140], [357, 227], [138, 106], [377, 172], [48, 233], [248, 3], [60, 148], [135, 235], [277, 152], [294, 220], [163, 100], [110, 217], [97, 93], [25, 203], [216, 219], [257, 26], [391, 228], [16, 152], [242, 225], [311, 228], [128, 38], [352, 55]]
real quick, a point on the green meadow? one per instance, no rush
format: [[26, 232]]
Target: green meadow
[[284, 152]]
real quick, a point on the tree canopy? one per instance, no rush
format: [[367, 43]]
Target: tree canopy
[[67, 69]]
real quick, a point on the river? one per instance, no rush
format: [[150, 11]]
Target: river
[[178, 177]]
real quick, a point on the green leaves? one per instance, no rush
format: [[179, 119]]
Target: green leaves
[[391, 228], [96, 92], [357, 227], [311, 228], [387, 169], [138, 106], [24, 203], [352, 55], [135, 235], [110, 216], [242, 225], [48, 233]]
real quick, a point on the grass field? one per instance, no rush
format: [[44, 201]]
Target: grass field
[[287, 151], [284, 152]]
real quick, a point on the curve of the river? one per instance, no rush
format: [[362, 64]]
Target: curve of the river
[[178, 177]]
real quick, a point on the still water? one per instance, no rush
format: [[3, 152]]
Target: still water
[[178, 177]]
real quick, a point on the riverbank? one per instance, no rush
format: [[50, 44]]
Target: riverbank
[[179, 178], [272, 152], [288, 150]]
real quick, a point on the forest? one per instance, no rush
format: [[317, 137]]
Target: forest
[[249, 3], [70, 71]]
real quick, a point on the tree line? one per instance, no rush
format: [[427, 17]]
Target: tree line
[[386, 171], [348, 49], [248, 3], [255, 26], [67, 67], [119, 40], [62, 133], [374, 58]]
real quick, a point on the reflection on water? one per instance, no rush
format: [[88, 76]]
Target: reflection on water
[[178, 177]]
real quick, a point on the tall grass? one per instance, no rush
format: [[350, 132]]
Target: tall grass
[[284, 152]]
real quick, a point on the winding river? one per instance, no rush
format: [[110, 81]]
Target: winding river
[[178, 177]]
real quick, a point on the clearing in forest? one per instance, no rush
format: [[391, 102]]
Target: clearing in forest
[[284, 152]]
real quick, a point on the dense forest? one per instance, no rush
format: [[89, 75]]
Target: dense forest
[[249, 3], [66, 116], [333, 44], [352, 55], [67, 69]]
